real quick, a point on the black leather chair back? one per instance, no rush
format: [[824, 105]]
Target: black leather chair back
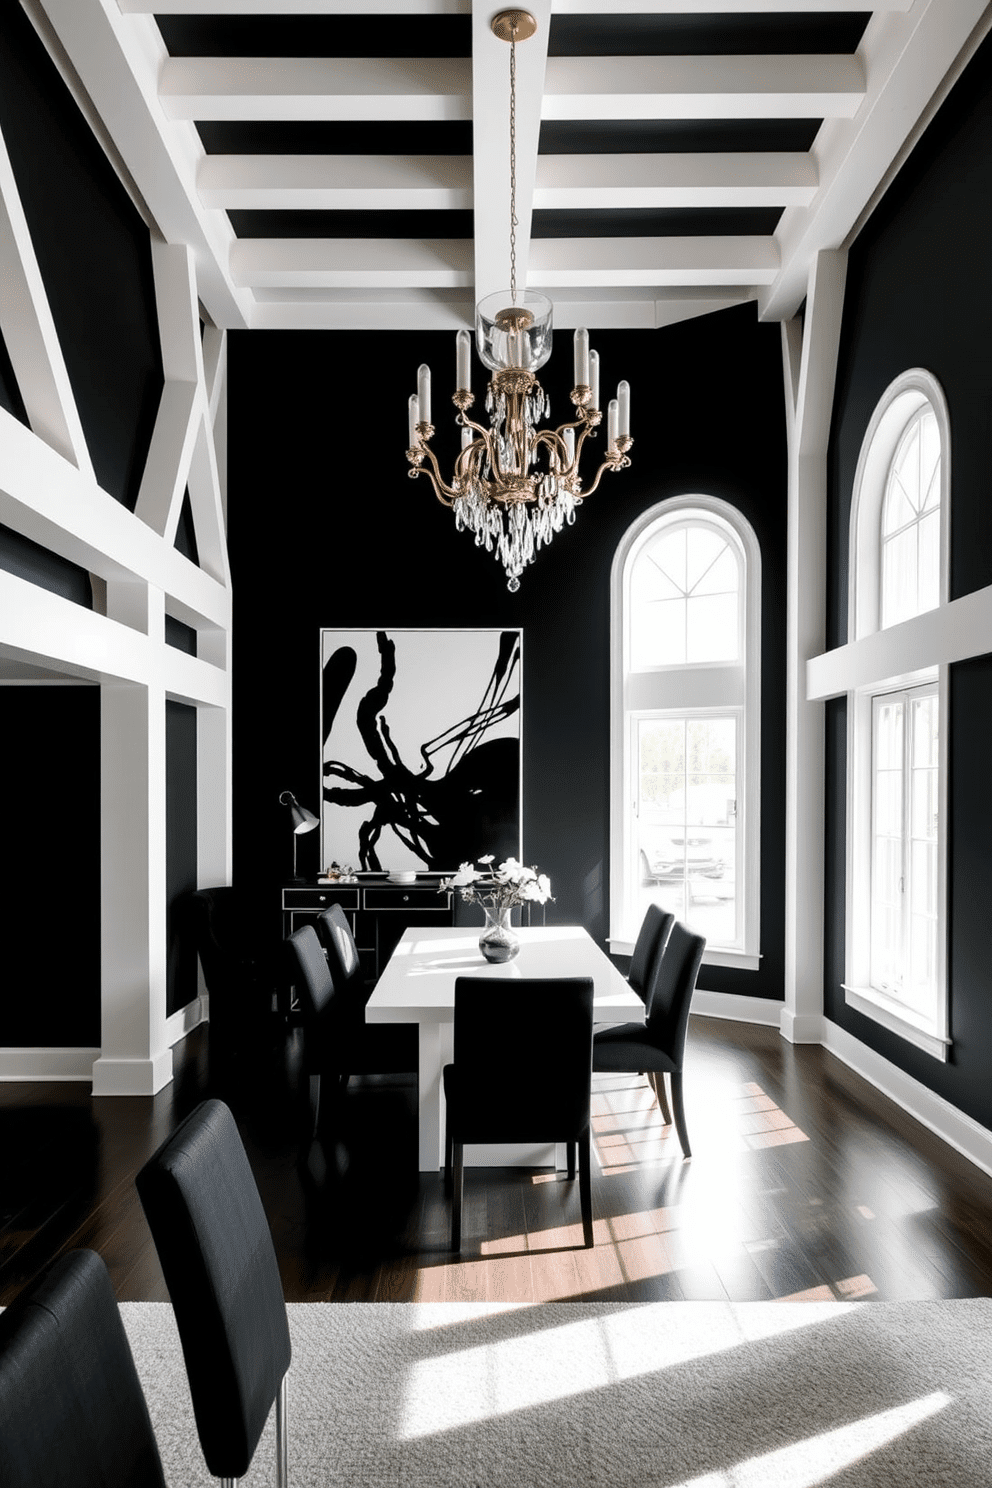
[[214, 1244], [671, 991], [651, 938], [521, 1078], [310, 974], [72, 1414], [343, 962]]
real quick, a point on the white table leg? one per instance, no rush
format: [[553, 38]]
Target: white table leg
[[435, 1052]]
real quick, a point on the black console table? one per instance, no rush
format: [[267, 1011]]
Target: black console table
[[378, 911]]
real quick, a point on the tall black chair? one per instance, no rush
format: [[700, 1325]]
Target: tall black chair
[[337, 1041], [344, 964], [658, 1045], [512, 1085], [240, 977], [213, 1241], [72, 1413], [651, 939]]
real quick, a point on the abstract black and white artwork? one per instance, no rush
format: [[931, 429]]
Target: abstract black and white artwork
[[421, 747]]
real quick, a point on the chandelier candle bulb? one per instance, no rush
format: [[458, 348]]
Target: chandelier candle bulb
[[612, 422], [581, 350], [594, 379], [467, 437], [424, 392], [463, 360], [569, 438], [414, 410], [623, 398]]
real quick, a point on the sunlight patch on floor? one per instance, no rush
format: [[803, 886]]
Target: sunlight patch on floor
[[819, 1458], [450, 1391]]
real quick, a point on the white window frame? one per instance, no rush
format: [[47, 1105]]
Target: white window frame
[[899, 404], [695, 689]]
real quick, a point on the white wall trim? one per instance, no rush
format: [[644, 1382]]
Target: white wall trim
[[184, 1020], [132, 1076], [958, 1130], [737, 1008], [47, 1064]]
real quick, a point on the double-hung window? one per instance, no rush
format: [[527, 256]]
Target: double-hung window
[[897, 744], [686, 597]]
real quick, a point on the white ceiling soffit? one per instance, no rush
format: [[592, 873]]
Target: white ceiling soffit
[[743, 221]]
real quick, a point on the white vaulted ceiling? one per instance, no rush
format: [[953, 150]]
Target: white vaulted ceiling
[[344, 163]]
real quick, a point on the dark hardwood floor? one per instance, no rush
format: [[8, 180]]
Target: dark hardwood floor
[[804, 1183]]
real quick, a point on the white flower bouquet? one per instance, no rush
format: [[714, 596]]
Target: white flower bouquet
[[499, 889]]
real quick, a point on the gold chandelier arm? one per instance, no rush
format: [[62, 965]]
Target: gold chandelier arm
[[444, 493], [615, 459]]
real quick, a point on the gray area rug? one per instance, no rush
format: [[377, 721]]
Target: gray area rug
[[575, 1395]]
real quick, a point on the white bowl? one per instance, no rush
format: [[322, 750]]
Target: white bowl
[[402, 878]]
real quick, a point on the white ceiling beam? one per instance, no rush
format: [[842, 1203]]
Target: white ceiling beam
[[704, 7], [118, 59], [337, 182], [906, 59], [353, 263], [775, 87], [303, 7], [653, 261], [490, 137], [345, 88], [331, 313], [704, 180]]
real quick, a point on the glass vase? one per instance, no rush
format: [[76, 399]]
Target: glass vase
[[498, 941]]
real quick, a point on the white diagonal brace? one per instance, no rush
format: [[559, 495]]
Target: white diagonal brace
[[182, 405], [491, 143], [208, 506], [30, 335]]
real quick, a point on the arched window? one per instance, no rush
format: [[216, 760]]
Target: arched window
[[897, 734], [686, 633]]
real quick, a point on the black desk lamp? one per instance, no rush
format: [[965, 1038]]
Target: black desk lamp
[[303, 821]]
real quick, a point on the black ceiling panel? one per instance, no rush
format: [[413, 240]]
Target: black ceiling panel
[[323, 137], [261, 223], [721, 34], [674, 136], [316, 36], [655, 222]]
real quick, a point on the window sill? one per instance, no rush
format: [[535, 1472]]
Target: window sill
[[897, 1019], [744, 960]]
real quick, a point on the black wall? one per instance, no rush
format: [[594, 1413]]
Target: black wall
[[919, 293], [326, 530], [180, 850]]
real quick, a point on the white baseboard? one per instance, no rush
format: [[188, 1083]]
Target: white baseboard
[[132, 1076], [801, 1028], [738, 1008], [185, 1020], [47, 1064], [959, 1131]]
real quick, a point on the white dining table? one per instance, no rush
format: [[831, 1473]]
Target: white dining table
[[417, 985]]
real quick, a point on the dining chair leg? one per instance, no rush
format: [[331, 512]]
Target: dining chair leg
[[458, 1176], [679, 1109], [570, 1158], [314, 1105], [282, 1435], [585, 1188], [657, 1080]]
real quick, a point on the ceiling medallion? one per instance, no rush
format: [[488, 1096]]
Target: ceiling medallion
[[514, 484]]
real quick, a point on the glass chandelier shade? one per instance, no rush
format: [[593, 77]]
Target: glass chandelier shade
[[515, 484]]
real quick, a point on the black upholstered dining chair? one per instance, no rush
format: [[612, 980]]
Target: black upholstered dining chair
[[651, 938], [337, 1042], [344, 964], [657, 1046], [213, 1241], [72, 1413], [507, 1084]]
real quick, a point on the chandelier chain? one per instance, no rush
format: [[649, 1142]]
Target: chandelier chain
[[513, 164]]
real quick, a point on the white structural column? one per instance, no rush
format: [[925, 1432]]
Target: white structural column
[[810, 356], [135, 1057]]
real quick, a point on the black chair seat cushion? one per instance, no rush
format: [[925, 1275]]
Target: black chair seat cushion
[[620, 1047], [214, 1243], [72, 1414]]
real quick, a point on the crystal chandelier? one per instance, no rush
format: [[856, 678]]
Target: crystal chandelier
[[515, 485]]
